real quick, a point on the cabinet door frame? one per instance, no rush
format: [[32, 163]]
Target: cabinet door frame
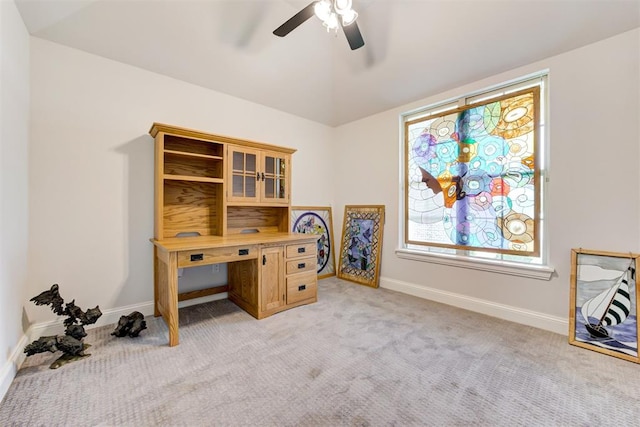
[[260, 175], [231, 173], [285, 179], [272, 283]]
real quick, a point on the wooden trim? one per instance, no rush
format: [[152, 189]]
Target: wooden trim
[[159, 186], [191, 133], [259, 204], [171, 313], [187, 154], [193, 178], [156, 285], [311, 208], [472, 248], [222, 201], [572, 295], [405, 196], [606, 253], [205, 242]]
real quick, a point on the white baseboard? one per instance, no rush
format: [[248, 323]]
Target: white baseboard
[[501, 311], [10, 368]]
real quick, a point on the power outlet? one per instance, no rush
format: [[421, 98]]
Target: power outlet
[[215, 268]]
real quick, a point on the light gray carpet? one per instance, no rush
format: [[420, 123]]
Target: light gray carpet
[[359, 356]]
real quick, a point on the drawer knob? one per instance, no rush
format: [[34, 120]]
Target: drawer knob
[[302, 287], [197, 257], [243, 251], [301, 250], [301, 265]]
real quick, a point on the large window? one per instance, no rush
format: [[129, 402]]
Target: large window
[[474, 172]]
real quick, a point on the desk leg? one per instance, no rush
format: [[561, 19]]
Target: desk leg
[[156, 278], [172, 309], [167, 291]]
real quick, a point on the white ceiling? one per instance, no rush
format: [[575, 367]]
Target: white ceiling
[[414, 48]]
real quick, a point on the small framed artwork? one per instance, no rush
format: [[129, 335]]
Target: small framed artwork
[[317, 220], [604, 303], [361, 244]]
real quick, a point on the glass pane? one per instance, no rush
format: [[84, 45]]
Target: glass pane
[[269, 188], [280, 166], [250, 186], [238, 161], [268, 166], [251, 163], [281, 189], [238, 185]]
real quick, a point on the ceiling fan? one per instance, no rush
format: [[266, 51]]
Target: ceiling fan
[[332, 13]]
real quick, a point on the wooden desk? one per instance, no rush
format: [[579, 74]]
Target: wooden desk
[[235, 196], [268, 272]]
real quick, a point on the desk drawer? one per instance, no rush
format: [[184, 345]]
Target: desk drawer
[[300, 250], [301, 287], [216, 255], [301, 265]]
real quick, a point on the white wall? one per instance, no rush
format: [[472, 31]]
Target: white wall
[[14, 127], [91, 168], [593, 201]]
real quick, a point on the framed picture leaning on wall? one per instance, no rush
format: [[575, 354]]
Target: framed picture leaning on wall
[[317, 220], [604, 303], [361, 246]]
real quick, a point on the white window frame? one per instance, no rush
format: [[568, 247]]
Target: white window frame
[[537, 268]]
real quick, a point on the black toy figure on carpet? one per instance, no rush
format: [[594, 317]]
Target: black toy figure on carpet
[[130, 325], [71, 342]]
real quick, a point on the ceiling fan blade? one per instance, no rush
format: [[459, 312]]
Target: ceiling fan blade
[[354, 37], [295, 21]]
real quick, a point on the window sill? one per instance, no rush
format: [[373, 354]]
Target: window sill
[[540, 272]]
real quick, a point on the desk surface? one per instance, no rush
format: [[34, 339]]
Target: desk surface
[[203, 242]]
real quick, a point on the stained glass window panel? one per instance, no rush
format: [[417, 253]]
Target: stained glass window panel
[[472, 177]]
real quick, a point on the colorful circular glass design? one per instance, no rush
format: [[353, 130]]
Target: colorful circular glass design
[[306, 223]]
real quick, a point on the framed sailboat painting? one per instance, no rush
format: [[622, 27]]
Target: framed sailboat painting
[[604, 303]]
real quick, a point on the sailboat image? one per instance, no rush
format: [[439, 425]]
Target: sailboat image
[[609, 308]]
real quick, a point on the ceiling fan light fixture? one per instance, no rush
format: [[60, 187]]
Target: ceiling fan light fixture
[[342, 6], [328, 11], [349, 17], [332, 22], [322, 10], [333, 14]]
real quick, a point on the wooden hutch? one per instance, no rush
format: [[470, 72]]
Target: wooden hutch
[[225, 200]]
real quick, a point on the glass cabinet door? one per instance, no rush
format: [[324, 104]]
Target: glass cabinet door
[[244, 174], [274, 183]]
